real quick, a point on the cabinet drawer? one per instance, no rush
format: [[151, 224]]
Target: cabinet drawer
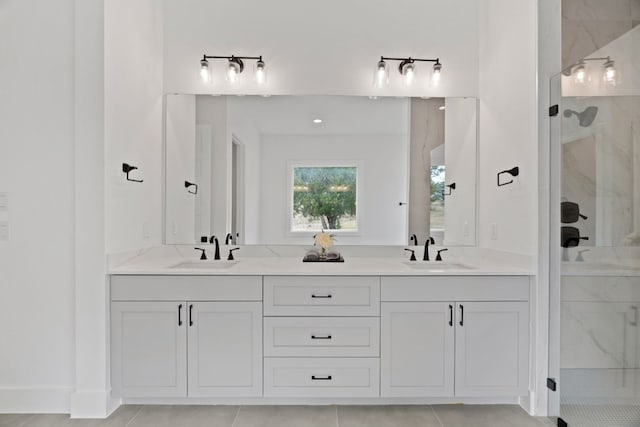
[[455, 288], [322, 336], [321, 296], [317, 377], [190, 288]]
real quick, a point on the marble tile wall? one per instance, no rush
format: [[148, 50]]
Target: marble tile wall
[[588, 25]]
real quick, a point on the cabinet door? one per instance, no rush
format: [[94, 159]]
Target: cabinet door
[[148, 349], [417, 349], [225, 349], [492, 348]]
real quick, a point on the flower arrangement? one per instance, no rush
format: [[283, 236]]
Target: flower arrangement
[[324, 241]]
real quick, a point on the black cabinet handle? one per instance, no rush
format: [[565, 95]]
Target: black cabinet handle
[[180, 315], [321, 296], [327, 378], [450, 315], [461, 315], [320, 337], [190, 315]]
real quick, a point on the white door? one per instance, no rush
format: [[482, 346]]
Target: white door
[[225, 349], [492, 348], [148, 349], [417, 342]]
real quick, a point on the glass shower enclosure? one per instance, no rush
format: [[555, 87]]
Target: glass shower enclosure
[[595, 239]]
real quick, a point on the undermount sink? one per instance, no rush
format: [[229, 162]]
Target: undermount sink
[[205, 264], [436, 266]]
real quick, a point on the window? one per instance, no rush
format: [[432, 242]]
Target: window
[[324, 198], [436, 216]]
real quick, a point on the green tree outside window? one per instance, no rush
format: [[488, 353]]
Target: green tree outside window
[[326, 194]]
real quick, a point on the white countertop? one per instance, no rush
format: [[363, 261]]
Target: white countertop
[[616, 268], [164, 262]]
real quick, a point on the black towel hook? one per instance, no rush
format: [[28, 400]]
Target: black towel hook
[[188, 184], [451, 187], [126, 168], [515, 171]]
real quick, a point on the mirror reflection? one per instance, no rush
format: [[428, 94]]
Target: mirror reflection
[[601, 169], [276, 170]]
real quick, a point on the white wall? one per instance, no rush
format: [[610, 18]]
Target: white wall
[[180, 149], [133, 123], [328, 47], [245, 133], [212, 111], [51, 164], [37, 170], [508, 125], [426, 133], [460, 146], [382, 181]]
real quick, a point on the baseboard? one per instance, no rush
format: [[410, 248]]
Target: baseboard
[[321, 401], [93, 404], [35, 400], [527, 403]]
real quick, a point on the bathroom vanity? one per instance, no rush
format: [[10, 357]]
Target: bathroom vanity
[[372, 329]]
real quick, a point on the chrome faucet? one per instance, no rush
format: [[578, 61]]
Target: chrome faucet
[[213, 240], [430, 240]]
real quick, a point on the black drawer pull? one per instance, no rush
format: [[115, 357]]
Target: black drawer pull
[[320, 337], [321, 296], [450, 315], [180, 315], [461, 315], [327, 378], [190, 315]]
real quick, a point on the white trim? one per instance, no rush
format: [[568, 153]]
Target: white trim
[[43, 400], [327, 401], [93, 404]]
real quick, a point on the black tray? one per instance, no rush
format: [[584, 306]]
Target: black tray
[[324, 260]]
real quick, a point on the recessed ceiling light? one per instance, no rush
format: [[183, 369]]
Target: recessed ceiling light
[[317, 121], [441, 108]]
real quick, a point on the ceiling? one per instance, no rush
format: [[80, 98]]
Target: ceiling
[[340, 115]]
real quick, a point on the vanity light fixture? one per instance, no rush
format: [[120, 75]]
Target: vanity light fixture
[[407, 69], [235, 67], [579, 71]]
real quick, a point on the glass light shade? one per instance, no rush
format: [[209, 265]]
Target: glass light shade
[[381, 75], [580, 74], [610, 75], [205, 71], [261, 72], [408, 73], [233, 71], [436, 75]]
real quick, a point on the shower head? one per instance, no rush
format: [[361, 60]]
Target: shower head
[[586, 117]]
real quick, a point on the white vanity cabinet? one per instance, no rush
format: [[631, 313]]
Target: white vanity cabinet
[[206, 344], [322, 336], [417, 343], [148, 348], [449, 346], [492, 348]]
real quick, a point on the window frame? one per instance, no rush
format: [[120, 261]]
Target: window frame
[[291, 165]]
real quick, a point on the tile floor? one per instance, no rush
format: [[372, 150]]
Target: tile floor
[[294, 416]]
